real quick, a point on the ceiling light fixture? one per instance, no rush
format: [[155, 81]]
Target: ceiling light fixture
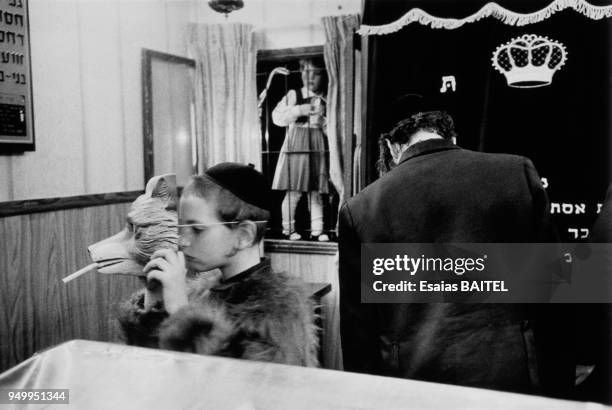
[[225, 6]]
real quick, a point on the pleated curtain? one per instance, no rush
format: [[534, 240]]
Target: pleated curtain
[[226, 95], [339, 62]]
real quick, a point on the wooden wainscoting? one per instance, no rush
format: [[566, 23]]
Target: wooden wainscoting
[[37, 250], [43, 241], [314, 262]]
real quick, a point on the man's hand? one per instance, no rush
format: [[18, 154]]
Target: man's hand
[[168, 267]]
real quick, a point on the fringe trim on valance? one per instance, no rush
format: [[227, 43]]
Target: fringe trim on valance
[[489, 10]]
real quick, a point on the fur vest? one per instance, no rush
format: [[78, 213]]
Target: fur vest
[[257, 315]]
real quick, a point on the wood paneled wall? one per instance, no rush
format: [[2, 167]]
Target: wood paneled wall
[[317, 268], [37, 309]]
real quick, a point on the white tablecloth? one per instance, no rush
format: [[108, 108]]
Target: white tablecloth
[[110, 376]]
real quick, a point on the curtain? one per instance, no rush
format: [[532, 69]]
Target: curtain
[[226, 95], [339, 62], [563, 127], [388, 16]]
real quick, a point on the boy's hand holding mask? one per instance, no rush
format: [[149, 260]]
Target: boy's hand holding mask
[[168, 267]]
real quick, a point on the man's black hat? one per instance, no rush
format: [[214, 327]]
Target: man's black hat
[[244, 181], [409, 104], [406, 105]]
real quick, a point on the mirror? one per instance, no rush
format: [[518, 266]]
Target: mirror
[[295, 153], [170, 143]]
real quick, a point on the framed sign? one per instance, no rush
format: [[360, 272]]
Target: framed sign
[[16, 116]]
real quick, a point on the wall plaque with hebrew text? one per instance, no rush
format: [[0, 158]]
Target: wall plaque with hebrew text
[[16, 116]]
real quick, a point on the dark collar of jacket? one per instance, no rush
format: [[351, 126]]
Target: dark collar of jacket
[[224, 287], [427, 147]]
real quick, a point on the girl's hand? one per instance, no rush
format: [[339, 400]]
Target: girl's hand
[[302, 110], [318, 111], [168, 267], [317, 106]]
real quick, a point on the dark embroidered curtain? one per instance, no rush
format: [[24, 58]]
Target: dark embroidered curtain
[[564, 128]]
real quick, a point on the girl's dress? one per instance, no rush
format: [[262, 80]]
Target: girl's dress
[[302, 164]]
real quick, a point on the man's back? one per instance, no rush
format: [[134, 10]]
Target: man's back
[[441, 193]]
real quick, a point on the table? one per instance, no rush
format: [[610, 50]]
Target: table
[[111, 376]]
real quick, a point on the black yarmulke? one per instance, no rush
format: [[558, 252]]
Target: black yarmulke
[[409, 104], [244, 181]]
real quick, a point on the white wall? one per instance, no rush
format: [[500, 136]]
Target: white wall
[[87, 94], [283, 23], [87, 86]]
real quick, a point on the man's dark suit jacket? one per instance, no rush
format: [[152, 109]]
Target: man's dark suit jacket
[[441, 193]]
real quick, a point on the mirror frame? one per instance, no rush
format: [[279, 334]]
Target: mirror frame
[[148, 56]]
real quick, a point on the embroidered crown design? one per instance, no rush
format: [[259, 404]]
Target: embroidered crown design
[[529, 60]]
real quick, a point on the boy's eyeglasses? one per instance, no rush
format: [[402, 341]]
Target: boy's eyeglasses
[[214, 224]]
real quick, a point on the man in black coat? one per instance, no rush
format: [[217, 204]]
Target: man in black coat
[[440, 193]]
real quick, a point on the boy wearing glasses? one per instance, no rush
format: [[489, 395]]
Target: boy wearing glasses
[[251, 312]]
